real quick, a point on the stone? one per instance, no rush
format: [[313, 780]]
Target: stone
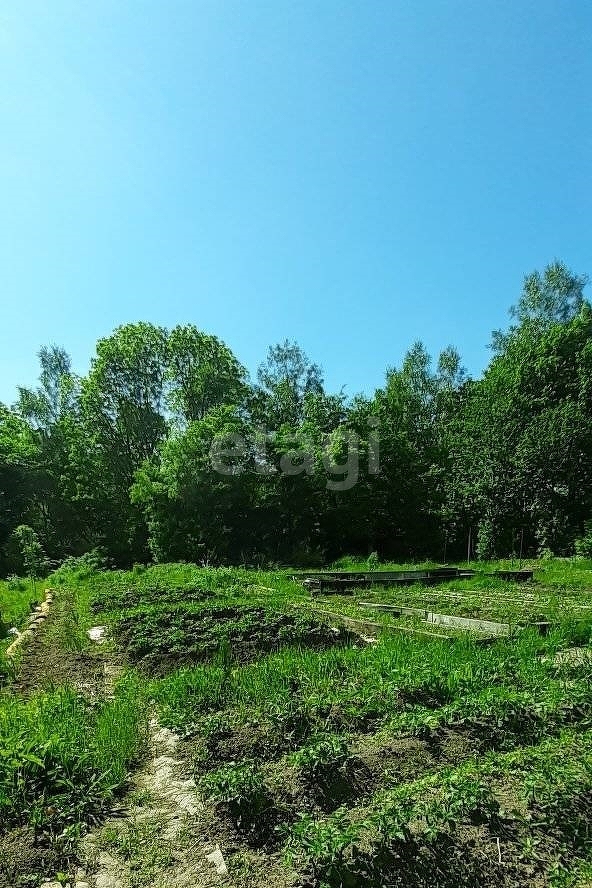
[[217, 858], [106, 880]]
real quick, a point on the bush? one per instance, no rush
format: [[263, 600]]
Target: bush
[[373, 561], [322, 756], [583, 545], [81, 567], [240, 789]]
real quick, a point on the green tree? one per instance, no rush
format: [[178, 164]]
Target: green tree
[[122, 424], [52, 411], [196, 495], [31, 552], [522, 442], [202, 374], [285, 379], [554, 297], [19, 460]]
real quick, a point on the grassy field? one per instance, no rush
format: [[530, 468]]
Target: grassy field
[[17, 597], [323, 753]]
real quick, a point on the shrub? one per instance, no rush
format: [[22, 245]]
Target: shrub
[[373, 561], [583, 545], [81, 567], [325, 754], [240, 789]]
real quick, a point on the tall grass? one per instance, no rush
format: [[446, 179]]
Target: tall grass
[[16, 597], [361, 682], [62, 758]]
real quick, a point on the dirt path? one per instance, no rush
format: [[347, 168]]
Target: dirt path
[[164, 837], [161, 835], [155, 838], [47, 659]]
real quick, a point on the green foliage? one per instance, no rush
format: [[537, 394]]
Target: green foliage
[[240, 789], [165, 449], [343, 849], [81, 567], [17, 596], [202, 373], [323, 754], [30, 550], [373, 561], [583, 545], [60, 759], [160, 637]]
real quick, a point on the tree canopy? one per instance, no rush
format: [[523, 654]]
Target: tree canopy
[[166, 449]]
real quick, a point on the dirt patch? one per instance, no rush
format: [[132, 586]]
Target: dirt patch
[[376, 761], [251, 741], [23, 857], [46, 664], [455, 745], [167, 638]]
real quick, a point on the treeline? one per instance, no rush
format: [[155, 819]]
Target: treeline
[[167, 449]]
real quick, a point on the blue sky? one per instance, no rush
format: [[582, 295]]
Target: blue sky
[[352, 175]]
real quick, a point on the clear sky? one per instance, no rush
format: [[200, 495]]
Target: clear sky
[[352, 175]]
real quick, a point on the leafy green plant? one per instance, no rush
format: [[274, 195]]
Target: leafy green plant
[[33, 557], [240, 789], [373, 561], [323, 755], [327, 846], [583, 544]]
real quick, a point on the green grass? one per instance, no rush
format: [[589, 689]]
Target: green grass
[[62, 758], [277, 727], [358, 683], [16, 597]]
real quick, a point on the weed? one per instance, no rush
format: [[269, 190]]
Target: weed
[[240, 789], [62, 759], [322, 756]]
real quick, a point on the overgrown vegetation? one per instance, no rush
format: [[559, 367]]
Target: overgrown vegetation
[[62, 758], [140, 456], [408, 760]]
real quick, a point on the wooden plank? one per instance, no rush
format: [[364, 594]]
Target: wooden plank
[[398, 609], [381, 577], [412, 631], [468, 623], [472, 624], [368, 625], [519, 576]]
